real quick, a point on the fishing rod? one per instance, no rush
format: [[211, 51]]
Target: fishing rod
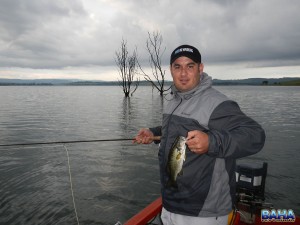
[[156, 138]]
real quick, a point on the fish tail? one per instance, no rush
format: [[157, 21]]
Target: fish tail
[[172, 183]]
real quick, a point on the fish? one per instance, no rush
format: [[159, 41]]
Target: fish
[[177, 156]]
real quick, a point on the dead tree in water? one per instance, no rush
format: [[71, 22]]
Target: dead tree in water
[[153, 44], [127, 66]]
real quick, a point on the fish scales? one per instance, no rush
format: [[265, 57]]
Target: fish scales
[[176, 158]]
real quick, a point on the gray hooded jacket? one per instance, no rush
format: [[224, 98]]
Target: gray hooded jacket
[[207, 186]]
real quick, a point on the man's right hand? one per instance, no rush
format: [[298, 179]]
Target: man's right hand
[[144, 136]]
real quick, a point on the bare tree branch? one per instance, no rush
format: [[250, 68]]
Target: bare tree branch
[[127, 67], [153, 45]]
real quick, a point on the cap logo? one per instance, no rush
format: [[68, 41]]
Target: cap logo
[[183, 50]]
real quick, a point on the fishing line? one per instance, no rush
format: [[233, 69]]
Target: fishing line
[[68, 157], [71, 184]]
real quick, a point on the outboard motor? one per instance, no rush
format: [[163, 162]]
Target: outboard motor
[[250, 180], [250, 190]]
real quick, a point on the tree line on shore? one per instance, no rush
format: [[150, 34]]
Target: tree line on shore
[[288, 81]]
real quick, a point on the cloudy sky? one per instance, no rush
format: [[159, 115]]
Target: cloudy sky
[[78, 38]]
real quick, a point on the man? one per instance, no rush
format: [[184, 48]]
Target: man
[[217, 133]]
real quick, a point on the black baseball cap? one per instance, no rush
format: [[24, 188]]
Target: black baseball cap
[[187, 51]]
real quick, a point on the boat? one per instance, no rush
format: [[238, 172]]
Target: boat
[[250, 207]]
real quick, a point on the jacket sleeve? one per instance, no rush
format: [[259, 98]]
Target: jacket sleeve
[[232, 134], [156, 131]]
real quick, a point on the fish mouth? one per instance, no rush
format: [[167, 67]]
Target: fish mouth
[[182, 138]]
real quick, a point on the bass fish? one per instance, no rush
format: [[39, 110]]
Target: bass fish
[[175, 160]]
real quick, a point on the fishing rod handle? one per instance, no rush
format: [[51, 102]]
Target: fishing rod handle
[[156, 138]]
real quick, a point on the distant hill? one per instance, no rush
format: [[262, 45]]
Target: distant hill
[[260, 81], [4, 81], [285, 81]]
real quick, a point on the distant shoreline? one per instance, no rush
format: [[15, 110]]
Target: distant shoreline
[[285, 81]]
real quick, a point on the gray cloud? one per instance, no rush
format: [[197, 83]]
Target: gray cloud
[[73, 33]]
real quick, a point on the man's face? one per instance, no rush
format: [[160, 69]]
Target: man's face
[[186, 73]]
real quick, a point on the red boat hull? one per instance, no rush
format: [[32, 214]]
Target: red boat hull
[[144, 216], [154, 209]]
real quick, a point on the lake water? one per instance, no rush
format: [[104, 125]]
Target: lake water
[[112, 181]]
